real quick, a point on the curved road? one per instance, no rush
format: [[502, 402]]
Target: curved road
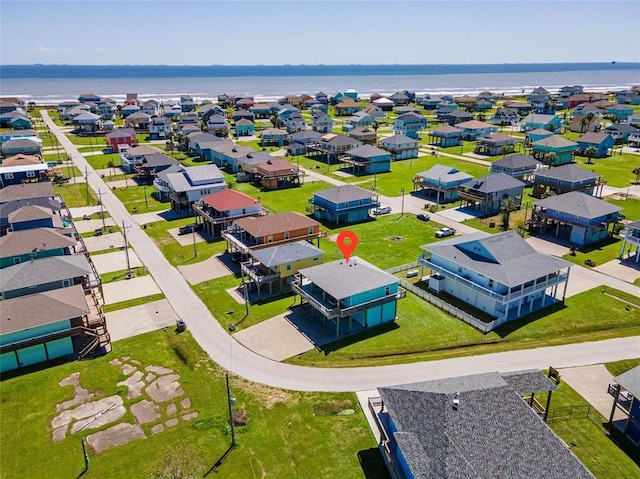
[[231, 355]]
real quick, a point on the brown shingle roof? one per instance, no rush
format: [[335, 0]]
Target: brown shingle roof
[[262, 226], [21, 159], [229, 200]]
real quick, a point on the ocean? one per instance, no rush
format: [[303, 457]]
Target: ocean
[[52, 84]]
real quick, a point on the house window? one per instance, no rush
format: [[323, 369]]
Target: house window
[[286, 235], [288, 267], [269, 239], [387, 291], [66, 283], [491, 283], [315, 259], [16, 260], [8, 176], [31, 174], [311, 230]]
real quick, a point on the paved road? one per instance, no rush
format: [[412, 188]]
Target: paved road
[[229, 354]]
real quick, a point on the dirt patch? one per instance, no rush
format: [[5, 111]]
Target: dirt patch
[[165, 388], [622, 197], [396, 239], [266, 395]]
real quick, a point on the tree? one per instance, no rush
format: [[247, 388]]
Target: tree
[[507, 205], [590, 153], [504, 149], [636, 171]]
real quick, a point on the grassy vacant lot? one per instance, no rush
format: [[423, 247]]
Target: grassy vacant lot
[[423, 332], [132, 302], [595, 447], [75, 195], [603, 252], [619, 367], [140, 198], [616, 169], [288, 434], [175, 253]]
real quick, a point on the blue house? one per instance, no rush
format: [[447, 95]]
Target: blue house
[[49, 325], [488, 192], [631, 238], [45, 274], [471, 427], [474, 129], [445, 136], [369, 159], [244, 127], [575, 216], [22, 246], [273, 137], [500, 275], [620, 112], [31, 216], [400, 146], [620, 132], [410, 124], [600, 141], [440, 183], [626, 393], [321, 122], [343, 204], [354, 291], [521, 167]]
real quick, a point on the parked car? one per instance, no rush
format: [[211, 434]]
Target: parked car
[[382, 210], [186, 229], [423, 217], [442, 232]]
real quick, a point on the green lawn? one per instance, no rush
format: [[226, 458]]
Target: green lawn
[[619, 367], [289, 199], [132, 302], [630, 206], [75, 195], [120, 275], [423, 332], [601, 253], [140, 198], [615, 169], [597, 450], [275, 442]]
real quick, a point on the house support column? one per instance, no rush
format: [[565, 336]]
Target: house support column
[[566, 282], [520, 305]]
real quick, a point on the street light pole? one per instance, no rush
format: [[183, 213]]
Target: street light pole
[[402, 208], [86, 177], [104, 226]]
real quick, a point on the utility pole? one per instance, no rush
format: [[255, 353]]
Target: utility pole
[[195, 248], [86, 456], [144, 189], [129, 275], [402, 208], [104, 226], [86, 178], [231, 400]]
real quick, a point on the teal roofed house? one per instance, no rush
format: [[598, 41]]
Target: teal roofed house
[[554, 150], [343, 204], [50, 325], [354, 292], [369, 159], [538, 120]]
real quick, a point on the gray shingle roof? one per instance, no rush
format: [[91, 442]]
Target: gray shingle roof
[[445, 173], [493, 183], [630, 380], [578, 204], [517, 161], [571, 173], [42, 308], [503, 257], [491, 434], [342, 280], [43, 271], [286, 253], [398, 139], [555, 141], [368, 151], [342, 194]]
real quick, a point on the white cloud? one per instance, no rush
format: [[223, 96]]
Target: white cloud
[[100, 49]]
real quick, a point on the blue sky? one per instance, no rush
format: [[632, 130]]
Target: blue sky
[[331, 32]]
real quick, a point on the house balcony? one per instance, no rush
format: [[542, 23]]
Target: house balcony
[[628, 236], [344, 209], [161, 186], [257, 272], [330, 307], [215, 217], [514, 293], [244, 242], [471, 196]]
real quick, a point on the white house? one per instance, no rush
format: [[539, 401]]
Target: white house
[[501, 274], [192, 184]]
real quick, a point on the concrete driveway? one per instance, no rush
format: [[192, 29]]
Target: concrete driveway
[[276, 338], [127, 289], [86, 226], [591, 383], [84, 210], [103, 242], [185, 240], [129, 322], [627, 270], [116, 261], [215, 267]]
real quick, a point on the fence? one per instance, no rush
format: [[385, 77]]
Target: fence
[[441, 304], [582, 411]]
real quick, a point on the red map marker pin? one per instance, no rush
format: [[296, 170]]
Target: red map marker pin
[[347, 242]]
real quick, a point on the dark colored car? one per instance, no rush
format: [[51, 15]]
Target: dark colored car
[[186, 229], [423, 217]]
